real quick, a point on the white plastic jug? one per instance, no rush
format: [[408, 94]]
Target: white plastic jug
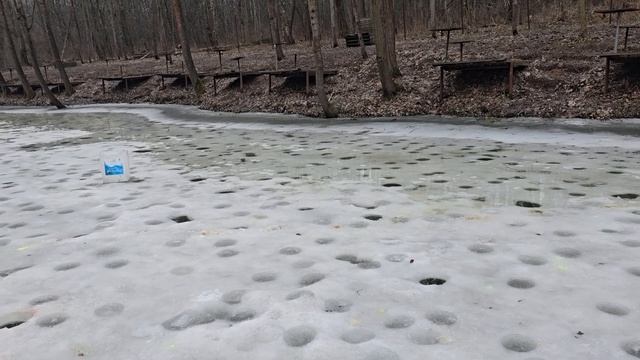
[[115, 167]]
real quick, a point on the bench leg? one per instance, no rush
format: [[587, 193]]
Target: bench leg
[[626, 38], [441, 84], [215, 86], [269, 83], [446, 53], [104, 90], [606, 76]]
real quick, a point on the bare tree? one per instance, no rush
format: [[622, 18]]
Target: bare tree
[[356, 21], [26, 87], [327, 107], [382, 23], [186, 47], [3, 82], [274, 26], [53, 46], [334, 22], [582, 8], [515, 16], [26, 34]]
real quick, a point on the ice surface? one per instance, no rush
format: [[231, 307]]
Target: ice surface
[[369, 241]]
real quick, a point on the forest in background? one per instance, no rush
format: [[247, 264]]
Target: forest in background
[[87, 30], [67, 33]]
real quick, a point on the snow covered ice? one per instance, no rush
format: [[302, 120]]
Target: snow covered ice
[[245, 240]]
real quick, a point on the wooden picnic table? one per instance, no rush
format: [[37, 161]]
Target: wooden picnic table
[[220, 51], [461, 43], [238, 58], [480, 65], [617, 58], [125, 79], [626, 33], [618, 13], [448, 30]]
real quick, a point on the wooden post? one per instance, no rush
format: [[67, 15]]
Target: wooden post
[[610, 8], [626, 37], [461, 50], [166, 63], [162, 81], [104, 90], [220, 58], [121, 71], [307, 81], [441, 83], [446, 54], [46, 75], [240, 74], [606, 76], [215, 86], [126, 84], [295, 60], [276, 54]]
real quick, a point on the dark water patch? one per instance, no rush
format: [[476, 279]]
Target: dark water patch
[[432, 281]]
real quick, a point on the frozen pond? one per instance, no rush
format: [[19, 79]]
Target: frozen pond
[[241, 240]]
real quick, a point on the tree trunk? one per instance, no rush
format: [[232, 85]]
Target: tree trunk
[[3, 82], [186, 47], [55, 52], [293, 16], [76, 23], [22, 19], [390, 36], [327, 108], [211, 24], [274, 26], [432, 15], [26, 87], [514, 17], [382, 23], [334, 22], [582, 4], [356, 21]]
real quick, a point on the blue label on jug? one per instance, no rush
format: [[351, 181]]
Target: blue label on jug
[[111, 170]]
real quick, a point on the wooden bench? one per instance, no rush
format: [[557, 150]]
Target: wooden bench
[[448, 30], [461, 43], [298, 73], [124, 79], [626, 33], [481, 65], [353, 40], [618, 13], [617, 58]]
